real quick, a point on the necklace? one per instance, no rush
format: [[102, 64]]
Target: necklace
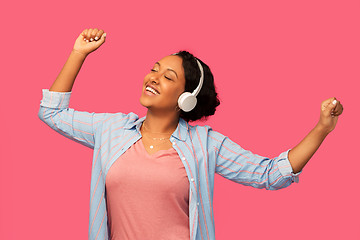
[[156, 138], [152, 146]]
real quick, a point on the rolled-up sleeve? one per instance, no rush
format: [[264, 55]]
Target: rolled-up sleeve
[[75, 125], [244, 167], [285, 167]]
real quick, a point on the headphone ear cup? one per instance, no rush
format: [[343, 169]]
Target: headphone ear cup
[[187, 101]]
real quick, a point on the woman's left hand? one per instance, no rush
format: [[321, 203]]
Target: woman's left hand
[[331, 109]]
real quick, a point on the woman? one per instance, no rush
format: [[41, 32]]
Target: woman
[[153, 177]]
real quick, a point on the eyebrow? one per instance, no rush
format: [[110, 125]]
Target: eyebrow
[[168, 69]]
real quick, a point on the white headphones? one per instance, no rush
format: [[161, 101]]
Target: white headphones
[[187, 101]]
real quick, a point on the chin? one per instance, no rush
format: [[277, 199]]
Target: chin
[[143, 103]]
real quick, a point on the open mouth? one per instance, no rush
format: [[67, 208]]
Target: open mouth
[[151, 90]]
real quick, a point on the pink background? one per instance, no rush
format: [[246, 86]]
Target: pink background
[[274, 62]]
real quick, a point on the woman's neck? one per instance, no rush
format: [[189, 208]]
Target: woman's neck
[[156, 123]]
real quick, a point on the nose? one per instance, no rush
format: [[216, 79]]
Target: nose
[[154, 79]]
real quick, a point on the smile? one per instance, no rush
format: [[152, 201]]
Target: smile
[[153, 91]]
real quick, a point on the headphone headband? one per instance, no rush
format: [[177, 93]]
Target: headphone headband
[[187, 101], [197, 90]]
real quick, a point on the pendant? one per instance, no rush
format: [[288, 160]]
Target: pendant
[[151, 146]]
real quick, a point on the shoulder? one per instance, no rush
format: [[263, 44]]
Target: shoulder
[[206, 131], [119, 118]]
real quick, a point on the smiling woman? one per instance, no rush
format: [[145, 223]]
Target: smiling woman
[[168, 80], [153, 177], [169, 74]]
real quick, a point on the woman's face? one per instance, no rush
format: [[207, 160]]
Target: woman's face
[[167, 78]]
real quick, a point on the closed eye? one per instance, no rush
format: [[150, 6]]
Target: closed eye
[[153, 70]]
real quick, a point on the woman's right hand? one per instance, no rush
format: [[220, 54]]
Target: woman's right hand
[[89, 40]]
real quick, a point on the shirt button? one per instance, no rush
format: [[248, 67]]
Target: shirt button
[[173, 143], [183, 158], [192, 179], [198, 204]]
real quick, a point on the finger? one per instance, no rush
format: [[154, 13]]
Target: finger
[[101, 40], [342, 109], [337, 107], [98, 35], [88, 34], [338, 110], [93, 34], [84, 34], [103, 37], [329, 105], [325, 103]]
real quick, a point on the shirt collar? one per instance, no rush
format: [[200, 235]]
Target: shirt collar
[[181, 132]]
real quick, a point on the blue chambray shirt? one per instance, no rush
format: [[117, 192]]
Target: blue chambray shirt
[[202, 150]]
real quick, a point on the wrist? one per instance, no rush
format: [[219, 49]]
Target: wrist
[[322, 129], [78, 53]]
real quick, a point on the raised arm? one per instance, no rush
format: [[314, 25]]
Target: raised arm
[[301, 153], [242, 166], [54, 108], [88, 41]]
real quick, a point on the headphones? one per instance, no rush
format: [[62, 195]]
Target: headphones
[[187, 101]]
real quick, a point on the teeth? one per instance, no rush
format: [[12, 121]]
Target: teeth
[[152, 90]]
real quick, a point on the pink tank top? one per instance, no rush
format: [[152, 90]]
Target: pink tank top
[[147, 196]]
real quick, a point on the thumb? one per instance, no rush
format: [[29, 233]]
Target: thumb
[[102, 39], [328, 106], [99, 42]]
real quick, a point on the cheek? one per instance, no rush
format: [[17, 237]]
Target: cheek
[[172, 92], [178, 92], [181, 90], [146, 77]]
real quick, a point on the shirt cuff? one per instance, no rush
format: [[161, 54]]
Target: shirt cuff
[[55, 99], [285, 167]]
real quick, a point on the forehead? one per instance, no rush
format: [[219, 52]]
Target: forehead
[[173, 62]]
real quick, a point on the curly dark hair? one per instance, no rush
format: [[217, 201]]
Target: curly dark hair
[[207, 99]]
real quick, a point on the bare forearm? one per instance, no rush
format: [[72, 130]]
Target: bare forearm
[[66, 78], [301, 153]]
